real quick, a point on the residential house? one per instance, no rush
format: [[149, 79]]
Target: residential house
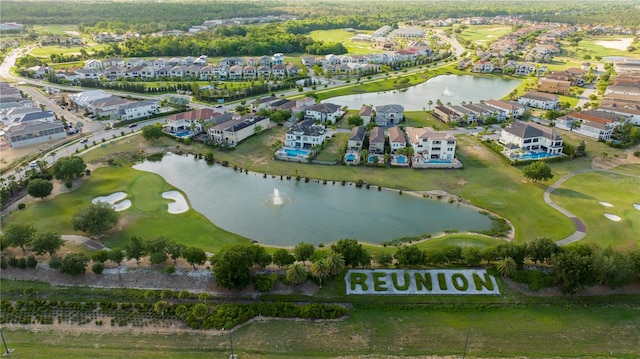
[[530, 137], [305, 135], [249, 72], [232, 61], [133, 72], [629, 110], [93, 65], [508, 109], [192, 71], [633, 90], [178, 71], [138, 109], [277, 58], [524, 68], [190, 120], [549, 85], [113, 61], [235, 72], [201, 61], [483, 66], [387, 115], [292, 70], [279, 70], [14, 101], [163, 72], [34, 133], [446, 114], [7, 116], [86, 74], [82, 99], [45, 116], [264, 102], [39, 72], [466, 115], [148, 72], [356, 139], [160, 63], [397, 139], [206, 72], [265, 61], [264, 71], [106, 107], [303, 104], [113, 72], [68, 76], [482, 112], [324, 112], [431, 147], [540, 100], [366, 114], [376, 140], [134, 62], [231, 133]]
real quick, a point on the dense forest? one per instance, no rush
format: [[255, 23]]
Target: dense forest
[[147, 16]]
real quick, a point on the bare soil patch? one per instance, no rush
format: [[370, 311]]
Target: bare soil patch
[[607, 163]]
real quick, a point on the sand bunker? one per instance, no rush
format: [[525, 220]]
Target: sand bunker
[[618, 44], [606, 204], [179, 205], [112, 199], [612, 217], [636, 206]]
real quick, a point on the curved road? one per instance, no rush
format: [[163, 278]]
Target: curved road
[[581, 228]]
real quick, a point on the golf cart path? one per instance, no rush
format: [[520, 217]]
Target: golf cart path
[[581, 228]]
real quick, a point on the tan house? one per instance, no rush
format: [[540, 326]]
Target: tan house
[[554, 86]]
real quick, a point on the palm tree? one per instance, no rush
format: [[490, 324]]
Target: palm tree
[[320, 269], [335, 262], [296, 273], [506, 266], [53, 155], [430, 103]]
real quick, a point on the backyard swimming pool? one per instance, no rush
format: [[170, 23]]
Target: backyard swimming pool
[[296, 152], [534, 156]]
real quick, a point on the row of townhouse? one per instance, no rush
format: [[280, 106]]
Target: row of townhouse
[[102, 104], [25, 124], [595, 124], [479, 113], [410, 54], [94, 64], [622, 97], [560, 82], [208, 72]]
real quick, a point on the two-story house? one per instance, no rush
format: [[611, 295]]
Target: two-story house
[[530, 137], [387, 115], [305, 135]]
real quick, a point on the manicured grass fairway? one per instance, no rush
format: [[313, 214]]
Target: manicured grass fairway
[[148, 216], [410, 331], [581, 195], [594, 49], [484, 33], [344, 37]]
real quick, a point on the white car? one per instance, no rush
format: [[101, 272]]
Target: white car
[[33, 164]]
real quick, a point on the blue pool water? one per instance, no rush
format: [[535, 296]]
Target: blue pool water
[[401, 159], [439, 161], [350, 157], [183, 133], [294, 152], [534, 156]]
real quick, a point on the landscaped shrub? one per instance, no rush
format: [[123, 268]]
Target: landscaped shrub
[[31, 262], [97, 267], [3, 263], [22, 206], [170, 269], [55, 262], [536, 279], [265, 282], [68, 184]]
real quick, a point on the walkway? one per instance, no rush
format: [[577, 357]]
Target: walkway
[[581, 228]]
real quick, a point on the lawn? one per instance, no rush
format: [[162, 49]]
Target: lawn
[[581, 195], [147, 217], [590, 46], [47, 51], [422, 119], [332, 151], [344, 37], [65, 30], [570, 330], [481, 34]]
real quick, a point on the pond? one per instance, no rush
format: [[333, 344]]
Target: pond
[[285, 212], [446, 88]]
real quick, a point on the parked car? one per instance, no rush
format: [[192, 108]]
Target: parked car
[[133, 125], [84, 140], [72, 131], [33, 164]]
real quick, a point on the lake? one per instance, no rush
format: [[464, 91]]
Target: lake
[[446, 88], [310, 212]]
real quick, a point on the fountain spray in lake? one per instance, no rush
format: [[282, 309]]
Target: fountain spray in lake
[[277, 200], [447, 92]]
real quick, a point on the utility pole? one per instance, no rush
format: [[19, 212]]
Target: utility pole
[[7, 351], [466, 343]]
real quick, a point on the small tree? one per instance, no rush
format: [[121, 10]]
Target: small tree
[[46, 241], [135, 249], [160, 307], [95, 219], [383, 259], [303, 251], [97, 267], [506, 267], [39, 188], [19, 235], [68, 168], [194, 255], [355, 120], [116, 255], [282, 257], [152, 132], [74, 264], [537, 171]]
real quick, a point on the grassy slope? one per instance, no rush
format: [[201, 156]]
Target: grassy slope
[[410, 331], [343, 36]]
